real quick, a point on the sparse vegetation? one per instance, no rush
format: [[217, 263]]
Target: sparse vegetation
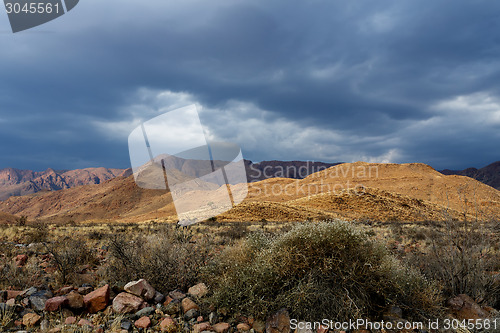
[[318, 270]]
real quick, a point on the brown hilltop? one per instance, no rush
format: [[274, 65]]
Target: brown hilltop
[[351, 190]]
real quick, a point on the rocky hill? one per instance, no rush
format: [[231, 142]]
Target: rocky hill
[[15, 182], [489, 175], [351, 190]]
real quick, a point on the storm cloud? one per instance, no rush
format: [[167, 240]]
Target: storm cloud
[[388, 81]]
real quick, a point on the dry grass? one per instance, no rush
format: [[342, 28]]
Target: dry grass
[[317, 270]]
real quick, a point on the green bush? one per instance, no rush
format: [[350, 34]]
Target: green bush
[[317, 270]]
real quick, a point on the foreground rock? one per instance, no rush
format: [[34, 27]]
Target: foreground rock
[[97, 300], [279, 322], [141, 288], [464, 307], [127, 303], [198, 290]]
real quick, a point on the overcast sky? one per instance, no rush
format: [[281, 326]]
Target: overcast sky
[[383, 81]]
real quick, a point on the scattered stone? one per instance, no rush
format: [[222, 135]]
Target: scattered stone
[[127, 303], [55, 330], [168, 299], [31, 319], [21, 260], [75, 300], [221, 327], [141, 288], [193, 313], [44, 325], [242, 327], [145, 312], [173, 308], [187, 304], [168, 325], [85, 322], [143, 322], [126, 325], [28, 292], [464, 307], [37, 302], [97, 300], [279, 322], [11, 302], [177, 294], [198, 328], [64, 290], [198, 290], [85, 290], [159, 297], [55, 303], [12, 294], [70, 321]]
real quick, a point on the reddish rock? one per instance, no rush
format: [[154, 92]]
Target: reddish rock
[[168, 300], [198, 290], [242, 327], [127, 303], [143, 322], [31, 319], [221, 327], [85, 322], [141, 288], [197, 328], [85, 290], [13, 294], [64, 290], [187, 304], [168, 325], [55, 303], [70, 321], [464, 307], [97, 300], [75, 300], [279, 322], [21, 260]]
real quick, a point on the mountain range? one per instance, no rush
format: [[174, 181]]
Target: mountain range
[[15, 182], [490, 174], [383, 192]]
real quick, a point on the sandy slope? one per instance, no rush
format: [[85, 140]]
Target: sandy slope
[[351, 190]]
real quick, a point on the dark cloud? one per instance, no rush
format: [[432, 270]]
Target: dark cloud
[[361, 79]]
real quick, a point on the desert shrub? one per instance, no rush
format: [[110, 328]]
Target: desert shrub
[[19, 277], [21, 221], [462, 257], [168, 260], [37, 233], [234, 231], [317, 270], [68, 256]]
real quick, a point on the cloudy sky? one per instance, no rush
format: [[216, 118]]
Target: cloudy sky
[[386, 81]]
